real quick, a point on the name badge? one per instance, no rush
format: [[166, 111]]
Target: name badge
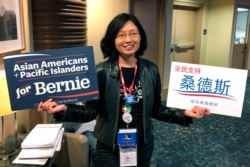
[[127, 141]]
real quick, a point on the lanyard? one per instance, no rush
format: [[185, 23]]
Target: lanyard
[[123, 82]]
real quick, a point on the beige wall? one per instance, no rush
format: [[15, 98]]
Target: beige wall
[[99, 13], [217, 17], [218, 20]]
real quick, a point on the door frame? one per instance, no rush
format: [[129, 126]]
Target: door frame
[[166, 8], [247, 55]]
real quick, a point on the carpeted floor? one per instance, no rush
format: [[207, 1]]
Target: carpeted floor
[[214, 141]]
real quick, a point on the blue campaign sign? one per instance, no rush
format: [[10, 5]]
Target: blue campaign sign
[[66, 75]]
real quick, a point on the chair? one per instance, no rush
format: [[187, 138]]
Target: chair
[[74, 151]]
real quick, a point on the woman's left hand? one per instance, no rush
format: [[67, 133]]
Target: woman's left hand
[[197, 112]]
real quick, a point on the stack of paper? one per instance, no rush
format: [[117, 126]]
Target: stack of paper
[[40, 144]]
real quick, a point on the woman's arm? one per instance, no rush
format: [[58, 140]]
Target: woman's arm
[[70, 112]]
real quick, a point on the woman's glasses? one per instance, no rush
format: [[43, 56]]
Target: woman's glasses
[[132, 35]]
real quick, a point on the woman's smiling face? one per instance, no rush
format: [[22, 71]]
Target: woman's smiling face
[[127, 41]]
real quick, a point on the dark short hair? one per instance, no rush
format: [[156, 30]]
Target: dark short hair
[[108, 41]]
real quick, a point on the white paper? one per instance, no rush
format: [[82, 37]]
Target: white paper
[[89, 126], [42, 135], [42, 152], [128, 156], [40, 161], [30, 153], [59, 140], [127, 130]]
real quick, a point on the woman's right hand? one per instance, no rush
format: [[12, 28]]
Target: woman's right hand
[[51, 107]]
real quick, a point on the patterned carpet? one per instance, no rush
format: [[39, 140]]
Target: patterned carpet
[[214, 141]]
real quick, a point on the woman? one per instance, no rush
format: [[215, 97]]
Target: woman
[[130, 89]]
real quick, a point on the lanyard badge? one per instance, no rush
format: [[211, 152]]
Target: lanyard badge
[[129, 98], [127, 141], [127, 138]]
